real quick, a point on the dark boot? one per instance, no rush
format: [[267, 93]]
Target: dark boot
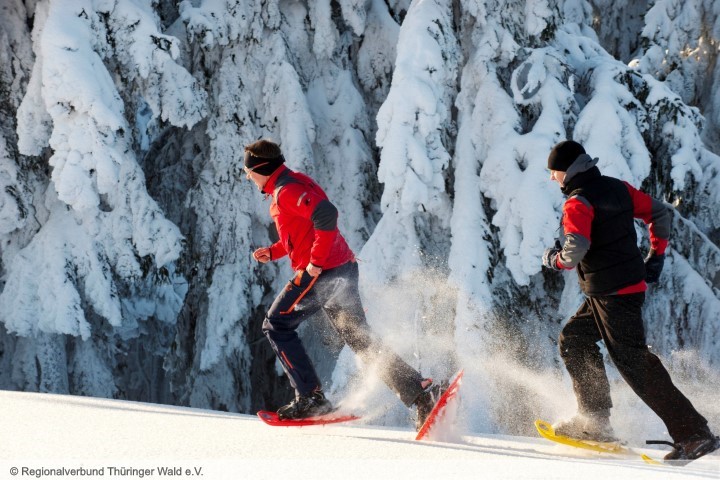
[[693, 448], [304, 406], [427, 400]]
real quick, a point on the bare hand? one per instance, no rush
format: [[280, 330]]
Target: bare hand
[[262, 255], [312, 270]]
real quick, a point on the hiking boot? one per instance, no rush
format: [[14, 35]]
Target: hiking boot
[[427, 400], [693, 448], [304, 406], [587, 427]]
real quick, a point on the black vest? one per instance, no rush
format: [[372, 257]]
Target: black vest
[[614, 260]]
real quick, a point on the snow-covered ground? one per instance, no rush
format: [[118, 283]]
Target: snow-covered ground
[[118, 439]]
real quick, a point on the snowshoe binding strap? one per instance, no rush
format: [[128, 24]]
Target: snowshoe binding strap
[[660, 442]]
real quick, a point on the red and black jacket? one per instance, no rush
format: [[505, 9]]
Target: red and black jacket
[[306, 222], [599, 229]]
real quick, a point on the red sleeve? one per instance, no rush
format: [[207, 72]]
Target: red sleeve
[[577, 221], [642, 204], [577, 217], [277, 251], [655, 216]]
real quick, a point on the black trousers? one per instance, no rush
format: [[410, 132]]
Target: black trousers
[[617, 320], [335, 291]]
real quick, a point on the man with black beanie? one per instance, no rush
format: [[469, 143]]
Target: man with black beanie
[[326, 278], [601, 243]]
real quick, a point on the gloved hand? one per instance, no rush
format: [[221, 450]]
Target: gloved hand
[[653, 266], [549, 258]]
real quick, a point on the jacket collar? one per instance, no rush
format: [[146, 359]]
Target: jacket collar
[[579, 171], [579, 179], [269, 187]]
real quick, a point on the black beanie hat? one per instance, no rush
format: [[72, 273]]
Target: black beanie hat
[[563, 155], [263, 166]]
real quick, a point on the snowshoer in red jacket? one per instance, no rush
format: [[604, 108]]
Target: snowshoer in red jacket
[[601, 244], [326, 278]]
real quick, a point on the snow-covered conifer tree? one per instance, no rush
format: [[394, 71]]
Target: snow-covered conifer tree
[[104, 236], [126, 226], [19, 176], [404, 263], [528, 82], [680, 45], [16, 54]]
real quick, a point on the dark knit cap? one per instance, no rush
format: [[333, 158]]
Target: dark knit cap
[[563, 155], [261, 165]]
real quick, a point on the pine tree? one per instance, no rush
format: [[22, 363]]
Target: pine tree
[[126, 226], [104, 247]]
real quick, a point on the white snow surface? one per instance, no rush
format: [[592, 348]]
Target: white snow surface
[[48, 431]]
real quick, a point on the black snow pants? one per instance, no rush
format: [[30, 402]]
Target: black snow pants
[[617, 320], [335, 291]]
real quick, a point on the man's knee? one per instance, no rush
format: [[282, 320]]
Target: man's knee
[[276, 326], [631, 358], [359, 341], [353, 330]]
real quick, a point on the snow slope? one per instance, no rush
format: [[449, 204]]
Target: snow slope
[[119, 439]]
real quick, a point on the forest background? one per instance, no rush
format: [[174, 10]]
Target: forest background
[[126, 226]]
